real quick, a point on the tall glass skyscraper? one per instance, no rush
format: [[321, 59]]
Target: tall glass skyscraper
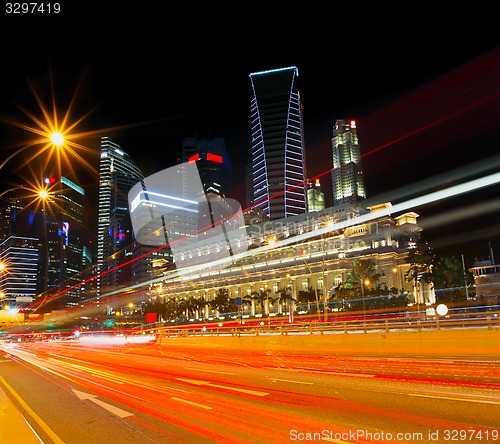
[[19, 279], [278, 158], [347, 174], [118, 173], [64, 225], [50, 235], [212, 159]]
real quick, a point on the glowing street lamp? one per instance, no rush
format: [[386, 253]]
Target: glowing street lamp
[[34, 193], [43, 194], [49, 141], [54, 135], [126, 309], [57, 138]]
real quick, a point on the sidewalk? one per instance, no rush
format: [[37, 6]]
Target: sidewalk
[[13, 427]]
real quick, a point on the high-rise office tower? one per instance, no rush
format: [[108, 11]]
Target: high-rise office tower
[[20, 270], [315, 197], [278, 158], [21, 247], [212, 160], [118, 173], [47, 235], [10, 207], [347, 174], [63, 238]]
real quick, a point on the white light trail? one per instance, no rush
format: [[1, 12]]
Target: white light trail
[[410, 204]]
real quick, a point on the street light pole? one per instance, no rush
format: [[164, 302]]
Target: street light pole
[[465, 278], [14, 154], [363, 283], [329, 224]]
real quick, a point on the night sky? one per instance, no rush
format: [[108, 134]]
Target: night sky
[[426, 99]]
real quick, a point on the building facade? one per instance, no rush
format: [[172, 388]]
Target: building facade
[[51, 229], [278, 159], [64, 238], [315, 197], [19, 272], [310, 251], [347, 175], [212, 160], [118, 173]]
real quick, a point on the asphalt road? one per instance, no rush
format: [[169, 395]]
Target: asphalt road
[[254, 390]]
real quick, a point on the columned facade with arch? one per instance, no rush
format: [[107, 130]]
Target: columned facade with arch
[[303, 256]]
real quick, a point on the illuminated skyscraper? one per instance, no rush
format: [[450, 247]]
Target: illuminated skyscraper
[[347, 174], [212, 159], [46, 239], [118, 174], [315, 198], [19, 278], [65, 219], [278, 159]]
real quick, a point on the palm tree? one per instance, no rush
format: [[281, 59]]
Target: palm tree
[[249, 301], [183, 308], [421, 259], [307, 297], [171, 309], [221, 300], [156, 306], [204, 306], [343, 292], [262, 297], [196, 306], [285, 298], [448, 274], [362, 273]]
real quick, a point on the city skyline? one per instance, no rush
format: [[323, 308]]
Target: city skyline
[[409, 127], [337, 323]]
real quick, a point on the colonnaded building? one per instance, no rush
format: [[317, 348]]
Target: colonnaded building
[[312, 250]]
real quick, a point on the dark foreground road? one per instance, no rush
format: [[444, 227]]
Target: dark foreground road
[[409, 387]]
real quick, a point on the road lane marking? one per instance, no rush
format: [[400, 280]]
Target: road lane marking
[[303, 370], [284, 369], [94, 372], [192, 403], [209, 371], [450, 398], [236, 389], [193, 381], [225, 387], [28, 409], [357, 375], [59, 374], [289, 380], [110, 408]]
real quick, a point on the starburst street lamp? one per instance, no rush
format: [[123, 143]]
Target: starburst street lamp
[[57, 138], [54, 135], [49, 141]]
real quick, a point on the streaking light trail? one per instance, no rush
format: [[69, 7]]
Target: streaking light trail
[[410, 204]]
